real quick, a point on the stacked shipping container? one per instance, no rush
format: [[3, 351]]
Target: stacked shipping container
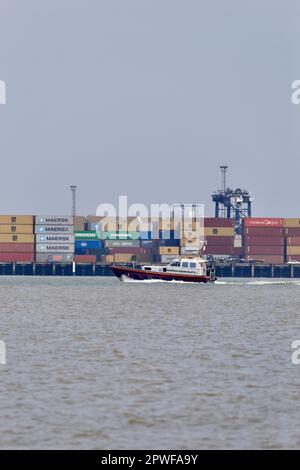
[[55, 239], [88, 247], [16, 238], [219, 236], [292, 239], [263, 239], [51, 238]]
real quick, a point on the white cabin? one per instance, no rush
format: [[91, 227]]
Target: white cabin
[[195, 266]]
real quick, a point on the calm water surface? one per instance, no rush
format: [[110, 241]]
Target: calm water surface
[[93, 363]]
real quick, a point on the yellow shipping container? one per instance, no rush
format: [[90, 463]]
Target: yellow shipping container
[[123, 258], [109, 259], [293, 250], [79, 219], [16, 219], [168, 224], [16, 228], [194, 242], [79, 228], [169, 250], [219, 231], [291, 223], [16, 238]]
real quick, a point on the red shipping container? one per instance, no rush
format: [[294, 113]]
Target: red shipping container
[[292, 232], [218, 222], [263, 222], [238, 251], [224, 241], [263, 232], [218, 250], [267, 259], [293, 258], [293, 241], [144, 258], [16, 247], [266, 241], [12, 257], [85, 258], [265, 250]]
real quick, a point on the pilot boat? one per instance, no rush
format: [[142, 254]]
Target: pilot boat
[[183, 269]]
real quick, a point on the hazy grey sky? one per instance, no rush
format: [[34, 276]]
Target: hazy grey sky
[[147, 98]]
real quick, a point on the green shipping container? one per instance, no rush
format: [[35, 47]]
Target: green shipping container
[[120, 235], [93, 235], [86, 236]]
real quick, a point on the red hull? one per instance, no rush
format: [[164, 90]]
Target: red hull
[[141, 275]]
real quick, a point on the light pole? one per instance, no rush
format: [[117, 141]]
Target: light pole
[[73, 189]]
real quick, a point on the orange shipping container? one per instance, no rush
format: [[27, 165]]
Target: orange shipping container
[[291, 223], [293, 250], [169, 250], [16, 238], [16, 219], [85, 258], [219, 231], [16, 228]]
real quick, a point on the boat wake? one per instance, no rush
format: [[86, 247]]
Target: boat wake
[[263, 282], [157, 281]]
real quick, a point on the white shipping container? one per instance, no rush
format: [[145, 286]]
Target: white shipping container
[[55, 248], [54, 257], [166, 259], [55, 239], [54, 229], [189, 250], [237, 241], [53, 220]]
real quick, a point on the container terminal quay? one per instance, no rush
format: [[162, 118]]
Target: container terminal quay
[[237, 244]]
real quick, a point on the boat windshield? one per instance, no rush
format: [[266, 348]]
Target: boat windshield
[[175, 263]]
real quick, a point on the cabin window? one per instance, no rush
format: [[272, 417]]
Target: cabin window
[[193, 265], [185, 264], [175, 263]]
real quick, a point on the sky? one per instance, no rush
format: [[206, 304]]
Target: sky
[[146, 98]]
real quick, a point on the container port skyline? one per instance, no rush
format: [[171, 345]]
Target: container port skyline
[[109, 240]]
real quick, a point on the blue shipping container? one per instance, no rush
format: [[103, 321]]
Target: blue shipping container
[[88, 244]]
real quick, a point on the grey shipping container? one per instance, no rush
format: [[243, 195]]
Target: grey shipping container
[[54, 257], [54, 229], [120, 243], [54, 248], [53, 220], [55, 238]]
